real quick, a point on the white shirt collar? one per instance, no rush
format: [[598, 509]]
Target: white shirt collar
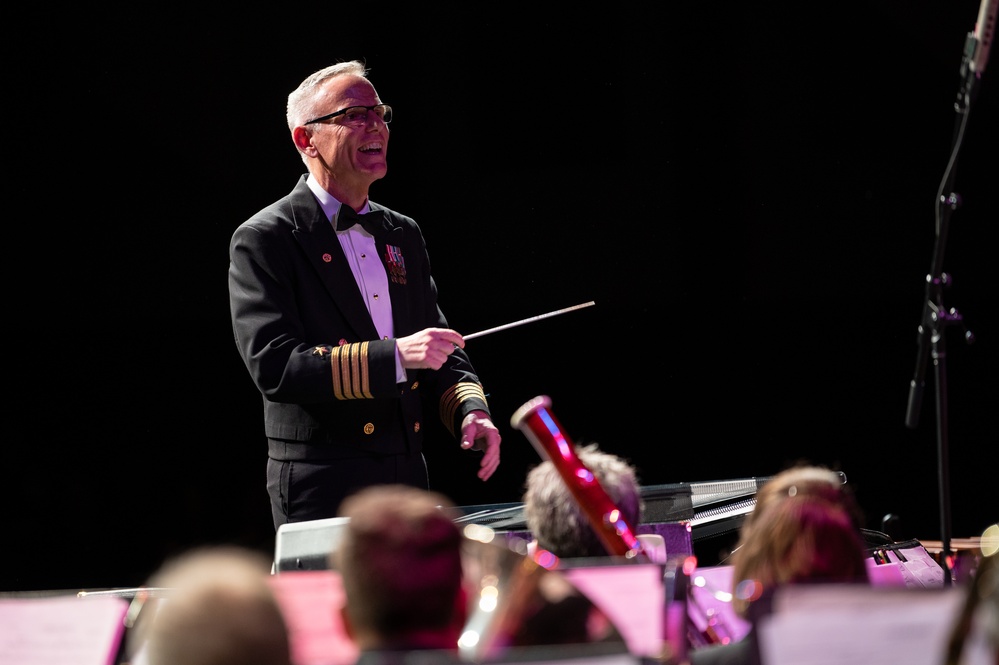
[[327, 201]]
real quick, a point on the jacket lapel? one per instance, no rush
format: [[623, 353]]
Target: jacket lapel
[[317, 239]]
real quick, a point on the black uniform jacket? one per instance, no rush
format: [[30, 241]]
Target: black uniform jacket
[[328, 382]]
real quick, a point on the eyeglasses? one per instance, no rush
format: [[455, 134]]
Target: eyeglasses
[[357, 116]]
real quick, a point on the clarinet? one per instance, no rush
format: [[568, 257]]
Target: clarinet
[[549, 439]]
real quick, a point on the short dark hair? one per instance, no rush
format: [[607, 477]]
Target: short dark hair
[[400, 560]]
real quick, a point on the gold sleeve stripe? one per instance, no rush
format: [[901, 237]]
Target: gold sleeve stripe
[[359, 376], [335, 367], [454, 397], [351, 374]]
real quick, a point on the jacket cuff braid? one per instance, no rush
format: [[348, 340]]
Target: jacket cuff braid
[[459, 395], [349, 365]]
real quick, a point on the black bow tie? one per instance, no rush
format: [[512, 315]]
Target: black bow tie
[[347, 217]]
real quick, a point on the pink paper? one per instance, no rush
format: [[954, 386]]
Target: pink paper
[[311, 602], [61, 630]]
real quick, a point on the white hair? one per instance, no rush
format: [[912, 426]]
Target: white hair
[[303, 100]]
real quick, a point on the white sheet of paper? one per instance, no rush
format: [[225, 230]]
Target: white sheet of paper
[[61, 630], [845, 625], [632, 596]]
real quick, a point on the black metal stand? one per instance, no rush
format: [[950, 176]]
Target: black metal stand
[[936, 317]]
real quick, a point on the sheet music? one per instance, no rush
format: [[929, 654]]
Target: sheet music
[[632, 596], [310, 600], [61, 630], [845, 625]]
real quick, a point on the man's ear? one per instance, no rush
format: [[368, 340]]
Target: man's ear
[[303, 139]]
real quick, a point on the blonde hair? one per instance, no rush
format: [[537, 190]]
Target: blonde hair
[[218, 609]]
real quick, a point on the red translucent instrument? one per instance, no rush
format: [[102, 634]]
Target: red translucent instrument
[[543, 430]]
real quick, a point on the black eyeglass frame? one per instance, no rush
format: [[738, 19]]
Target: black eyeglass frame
[[369, 109]]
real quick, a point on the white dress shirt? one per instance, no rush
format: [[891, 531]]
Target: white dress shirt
[[362, 255]]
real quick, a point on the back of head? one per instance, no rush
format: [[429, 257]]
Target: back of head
[[553, 515], [805, 530], [218, 610], [804, 479], [400, 560]]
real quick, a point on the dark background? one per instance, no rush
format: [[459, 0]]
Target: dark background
[[747, 192]]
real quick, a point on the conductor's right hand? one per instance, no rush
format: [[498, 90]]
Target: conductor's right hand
[[429, 348]]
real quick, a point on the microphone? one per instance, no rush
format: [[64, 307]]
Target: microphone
[[985, 29]]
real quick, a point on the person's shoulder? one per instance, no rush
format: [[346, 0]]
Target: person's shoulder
[[273, 212], [269, 222], [279, 214]]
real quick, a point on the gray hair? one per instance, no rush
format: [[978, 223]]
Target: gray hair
[[556, 520], [303, 100]]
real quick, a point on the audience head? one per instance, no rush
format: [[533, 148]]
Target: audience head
[[554, 517], [400, 557], [803, 529], [806, 479], [217, 608]]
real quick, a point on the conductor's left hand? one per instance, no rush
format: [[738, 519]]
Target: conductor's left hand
[[479, 433]]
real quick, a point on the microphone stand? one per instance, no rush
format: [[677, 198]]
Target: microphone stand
[[936, 318]]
